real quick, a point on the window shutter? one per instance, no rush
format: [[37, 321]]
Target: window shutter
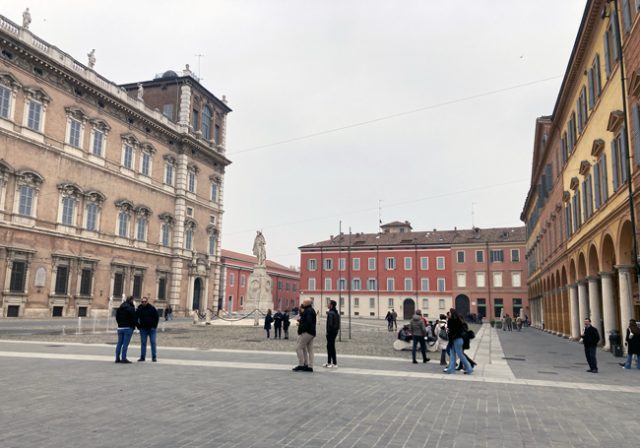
[[614, 38], [591, 88], [626, 18], [607, 65], [596, 180], [623, 155], [605, 179], [597, 80], [614, 164]]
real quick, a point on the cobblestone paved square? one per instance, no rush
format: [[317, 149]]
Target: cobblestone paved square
[[75, 396]]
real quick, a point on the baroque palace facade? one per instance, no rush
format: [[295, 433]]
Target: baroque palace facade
[[477, 271], [105, 190], [580, 246]]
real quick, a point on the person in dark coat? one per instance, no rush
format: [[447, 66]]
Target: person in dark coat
[[333, 326], [306, 335], [590, 338], [268, 319], [168, 313], [455, 327], [419, 332], [633, 344], [148, 318], [277, 325], [285, 323], [389, 319], [127, 321]]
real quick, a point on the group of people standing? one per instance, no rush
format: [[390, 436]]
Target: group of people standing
[[392, 320], [145, 318], [280, 322], [508, 322]]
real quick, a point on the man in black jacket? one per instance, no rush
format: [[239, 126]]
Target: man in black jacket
[[306, 334], [333, 326], [148, 324], [127, 320], [590, 339]]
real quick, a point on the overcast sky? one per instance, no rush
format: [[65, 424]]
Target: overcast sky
[[465, 81]]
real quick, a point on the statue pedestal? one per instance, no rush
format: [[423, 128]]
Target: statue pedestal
[[259, 295]]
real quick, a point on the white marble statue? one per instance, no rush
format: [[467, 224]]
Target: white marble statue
[[92, 58], [26, 19], [140, 92], [259, 249]]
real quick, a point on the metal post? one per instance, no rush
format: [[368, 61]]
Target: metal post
[[627, 154], [339, 283], [349, 278]]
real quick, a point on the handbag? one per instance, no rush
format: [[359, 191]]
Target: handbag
[[471, 334], [443, 334]]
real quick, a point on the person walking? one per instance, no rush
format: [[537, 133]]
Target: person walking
[[389, 319], [268, 319], [306, 335], [419, 332], [277, 325], [509, 322], [148, 318], [519, 323], [633, 344], [456, 337], [394, 317], [443, 338], [285, 323], [333, 326], [168, 313], [127, 320], [590, 338]]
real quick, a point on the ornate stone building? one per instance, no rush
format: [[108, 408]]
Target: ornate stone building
[[105, 190]]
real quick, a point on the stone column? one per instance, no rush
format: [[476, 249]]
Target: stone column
[[574, 312], [541, 312], [608, 307], [594, 304], [583, 302], [626, 297]]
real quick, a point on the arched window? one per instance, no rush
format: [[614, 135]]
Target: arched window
[[206, 123]]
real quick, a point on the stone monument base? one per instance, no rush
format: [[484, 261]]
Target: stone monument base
[[258, 291]]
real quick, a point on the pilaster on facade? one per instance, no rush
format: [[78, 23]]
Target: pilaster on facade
[[184, 113]]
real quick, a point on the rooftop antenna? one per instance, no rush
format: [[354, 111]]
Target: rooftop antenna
[[473, 214], [199, 56], [379, 213]]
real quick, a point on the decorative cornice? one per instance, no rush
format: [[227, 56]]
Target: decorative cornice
[[597, 147], [616, 118], [585, 166]]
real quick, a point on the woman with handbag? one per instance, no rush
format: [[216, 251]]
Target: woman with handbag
[[455, 326], [443, 338]]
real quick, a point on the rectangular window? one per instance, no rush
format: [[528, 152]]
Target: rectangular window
[[168, 174], [497, 308], [356, 302], [311, 264], [118, 284], [610, 48], [146, 163], [460, 256], [424, 263], [98, 142], [371, 264], [327, 284], [440, 263], [68, 206], [342, 284], [479, 256], [74, 132], [357, 285], [162, 288], [328, 264], [5, 97], [497, 279], [481, 280], [167, 111], [462, 279], [62, 280], [26, 200], [390, 263], [137, 286], [166, 231], [587, 197], [18, 276], [407, 263], [212, 244], [85, 282], [243, 280], [312, 284], [408, 284], [34, 117], [142, 229], [127, 160], [516, 281], [619, 161], [441, 284], [515, 255], [195, 120], [123, 225], [371, 284], [390, 303], [192, 182], [390, 284], [232, 279], [424, 284], [214, 192], [356, 264], [342, 264], [441, 304], [496, 256], [372, 302]]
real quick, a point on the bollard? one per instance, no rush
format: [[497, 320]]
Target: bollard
[[79, 330]]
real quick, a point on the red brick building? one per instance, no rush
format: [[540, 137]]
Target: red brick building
[[405, 270], [237, 267]]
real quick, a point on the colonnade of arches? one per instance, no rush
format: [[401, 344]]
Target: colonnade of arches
[[595, 280]]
